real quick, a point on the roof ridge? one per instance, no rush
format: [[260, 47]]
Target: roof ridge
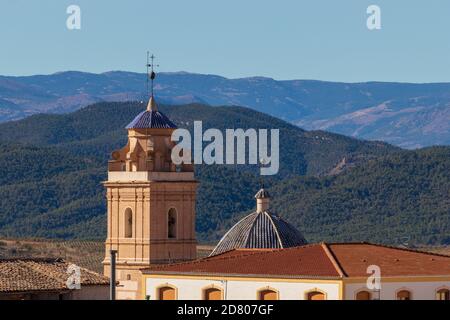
[[255, 216], [26, 259], [391, 247], [302, 246], [333, 260], [275, 228], [250, 253]]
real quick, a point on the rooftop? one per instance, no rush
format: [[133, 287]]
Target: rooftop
[[325, 261], [151, 118], [25, 275]]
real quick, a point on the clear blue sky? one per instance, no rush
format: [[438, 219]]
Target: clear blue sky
[[286, 39]]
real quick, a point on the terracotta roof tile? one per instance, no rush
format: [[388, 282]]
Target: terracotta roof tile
[[18, 275], [354, 258], [335, 260], [306, 261]]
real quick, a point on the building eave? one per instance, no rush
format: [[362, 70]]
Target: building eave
[[239, 275]]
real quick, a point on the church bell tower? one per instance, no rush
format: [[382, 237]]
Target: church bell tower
[[150, 202]]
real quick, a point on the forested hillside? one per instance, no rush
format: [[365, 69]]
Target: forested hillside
[[409, 115], [332, 187]]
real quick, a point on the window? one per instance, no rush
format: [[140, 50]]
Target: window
[[128, 223], [363, 295], [167, 293], [403, 295], [315, 295], [443, 294], [268, 294], [172, 224], [212, 294]]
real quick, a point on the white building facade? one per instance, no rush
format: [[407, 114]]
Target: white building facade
[[197, 288], [241, 289], [310, 272]]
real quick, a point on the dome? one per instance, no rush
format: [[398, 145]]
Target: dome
[[151, 118], [260, 229]]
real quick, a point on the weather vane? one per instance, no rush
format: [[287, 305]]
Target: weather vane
[[262, 163], [150, 70]]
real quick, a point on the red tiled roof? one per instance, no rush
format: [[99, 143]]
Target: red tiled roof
[[309, 261], [329, 261], [20, 275], [354, 258]]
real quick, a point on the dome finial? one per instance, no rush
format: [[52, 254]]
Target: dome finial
[[262, 200], [151, 106]]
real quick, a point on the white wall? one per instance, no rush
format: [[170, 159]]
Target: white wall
[[93, 292], [192, 289], [419, 290]]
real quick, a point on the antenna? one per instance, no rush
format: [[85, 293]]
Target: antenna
[[150, 70], [147, 66]]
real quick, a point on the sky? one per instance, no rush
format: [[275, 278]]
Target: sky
[[285, 39]]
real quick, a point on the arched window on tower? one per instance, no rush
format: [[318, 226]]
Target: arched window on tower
[[128, 223], [172, 224]]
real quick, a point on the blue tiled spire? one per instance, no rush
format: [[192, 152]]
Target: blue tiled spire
[[151, 118]]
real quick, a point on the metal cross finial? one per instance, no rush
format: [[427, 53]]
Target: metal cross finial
[[150, 70], [262, 163]]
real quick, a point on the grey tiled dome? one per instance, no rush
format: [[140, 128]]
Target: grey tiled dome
[[260, 230]]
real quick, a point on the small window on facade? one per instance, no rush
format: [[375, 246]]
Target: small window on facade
[[443, 294], [212, 294], [167, 293], [268, 295], [363, 295], [404, 295], [315, 295], [172, 224], [128, 223]]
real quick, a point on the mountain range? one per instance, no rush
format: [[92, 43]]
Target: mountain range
[[404, 114], [330, 186]]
